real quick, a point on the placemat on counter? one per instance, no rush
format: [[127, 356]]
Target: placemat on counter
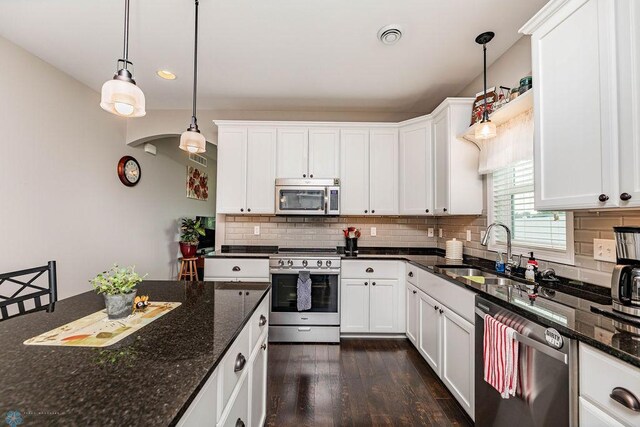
[[96, 330]]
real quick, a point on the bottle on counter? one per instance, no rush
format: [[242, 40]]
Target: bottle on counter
[[532, 268], [500, 263]]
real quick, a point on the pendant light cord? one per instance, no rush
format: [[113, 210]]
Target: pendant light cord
[[125, 50], [485, 114], [194, 121]]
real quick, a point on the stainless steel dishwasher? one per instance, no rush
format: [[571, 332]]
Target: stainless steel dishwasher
[[547, 383]]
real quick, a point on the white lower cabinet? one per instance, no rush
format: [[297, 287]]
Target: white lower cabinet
[[383, 306], [235, 394], [444, 337], [591, 416], [354, 313]]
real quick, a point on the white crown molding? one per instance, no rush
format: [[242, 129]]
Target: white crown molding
[[541, 17]]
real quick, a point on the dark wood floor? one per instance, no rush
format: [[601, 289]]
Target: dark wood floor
[[358, 383]]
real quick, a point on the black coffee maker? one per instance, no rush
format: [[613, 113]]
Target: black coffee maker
[[625, 282]]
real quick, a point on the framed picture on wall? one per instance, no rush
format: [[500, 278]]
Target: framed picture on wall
[[197, 184]]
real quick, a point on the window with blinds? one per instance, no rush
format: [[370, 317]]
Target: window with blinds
[[512, 205]]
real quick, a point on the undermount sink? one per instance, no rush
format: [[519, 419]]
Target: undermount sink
[[499, 281], [465, 272]]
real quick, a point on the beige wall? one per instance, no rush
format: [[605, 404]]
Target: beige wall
[[61, 197], [507, 70]]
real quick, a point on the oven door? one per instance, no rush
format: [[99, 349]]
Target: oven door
[[302, 200], [325, 300]]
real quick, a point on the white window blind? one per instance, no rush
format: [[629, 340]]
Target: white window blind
[[513, 201]]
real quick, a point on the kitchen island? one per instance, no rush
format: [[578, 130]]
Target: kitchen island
[[151, 377]]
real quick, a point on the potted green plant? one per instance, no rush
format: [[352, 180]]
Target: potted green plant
[[118, 285], [190, 231]]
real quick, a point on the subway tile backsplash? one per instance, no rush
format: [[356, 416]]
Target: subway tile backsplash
[[326, 232]]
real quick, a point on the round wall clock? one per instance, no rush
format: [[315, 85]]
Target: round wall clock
[[129, 171]]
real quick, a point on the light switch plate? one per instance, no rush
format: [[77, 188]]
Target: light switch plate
[[440, 232], [604, 250], [468, 235], [374, 231], [429, 232], [256, 230]]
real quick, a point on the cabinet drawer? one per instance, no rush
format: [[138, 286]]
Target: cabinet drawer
[[239, 411], [454, 296], [412, 274], [237, 269], [323, 334], [259, 322], [600, 374], [362, 269], [227, 368], [592, 416]]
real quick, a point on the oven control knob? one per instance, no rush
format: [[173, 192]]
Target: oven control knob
[[319, 263], [290, 263], [328, 263], [281, 263], [304, 263]]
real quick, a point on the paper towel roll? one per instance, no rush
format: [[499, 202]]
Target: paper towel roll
[[453, 249]]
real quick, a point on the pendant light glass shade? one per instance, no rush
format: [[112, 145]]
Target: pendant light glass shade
[[121, 96], [486, 130], [193, 141]]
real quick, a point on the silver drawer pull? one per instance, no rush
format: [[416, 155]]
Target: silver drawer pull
[[240, 362], [411, 274], [625, 398], [239, 423], [369, 270], [236, 268], [304, 329], [263, 320], [264, 346]]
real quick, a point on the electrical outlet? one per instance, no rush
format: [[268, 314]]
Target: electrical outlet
[[256, 230], [604, 250], [468, 235], [440, 232], [429, 232], [374, 231]]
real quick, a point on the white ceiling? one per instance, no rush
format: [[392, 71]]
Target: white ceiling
[[313, 55]]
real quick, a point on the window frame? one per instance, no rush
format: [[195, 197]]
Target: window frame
[[541, 253]]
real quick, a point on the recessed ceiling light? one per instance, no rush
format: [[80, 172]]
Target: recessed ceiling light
[[391, 34], [166, 74]]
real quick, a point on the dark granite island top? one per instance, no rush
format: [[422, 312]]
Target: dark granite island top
[[148, 378]]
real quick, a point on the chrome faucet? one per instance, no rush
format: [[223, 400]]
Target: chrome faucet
[[511, 263]]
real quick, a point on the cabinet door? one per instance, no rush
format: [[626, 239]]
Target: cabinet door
[[575, 107], [416, 160], [628, 12], [383, 172], [203, 409], [458, 358], [429, 330], [412, 313], [232, 171], [383, 306], [354, 171], [324, 153], [592, 416], [258, 390], [293, 146], [239, 407], [261, 170], [354, 305], [441, 162]]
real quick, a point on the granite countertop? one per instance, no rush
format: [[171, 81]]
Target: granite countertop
[[148, 378]]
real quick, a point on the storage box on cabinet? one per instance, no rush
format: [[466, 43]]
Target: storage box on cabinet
[[599, 375], [236, 269]]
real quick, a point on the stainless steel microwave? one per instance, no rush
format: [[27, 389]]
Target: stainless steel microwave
[[307, 196]]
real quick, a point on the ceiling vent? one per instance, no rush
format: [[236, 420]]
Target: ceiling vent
[[391, 34], [201, 160]]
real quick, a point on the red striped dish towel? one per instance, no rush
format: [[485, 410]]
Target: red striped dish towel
[[500, 357]]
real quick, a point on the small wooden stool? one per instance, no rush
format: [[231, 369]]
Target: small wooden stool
[[188, 269]]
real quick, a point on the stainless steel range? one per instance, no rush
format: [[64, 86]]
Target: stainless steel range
[[322, 322]]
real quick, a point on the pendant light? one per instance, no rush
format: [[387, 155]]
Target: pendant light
[[192, 140], [486, 129], [120, 95]]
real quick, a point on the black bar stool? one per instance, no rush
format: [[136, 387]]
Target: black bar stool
[[26, 290]]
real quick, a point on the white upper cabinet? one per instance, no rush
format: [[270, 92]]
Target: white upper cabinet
[[261, 170], [232, 167], [293, 153], [575, 103], [324, 153], [383, 171], [354, 171], [628, 25], [416, 169], [457, 184]]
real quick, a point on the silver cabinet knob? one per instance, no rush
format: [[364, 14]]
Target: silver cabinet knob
[[290, 263], [263, 320], [319, 263], [328, 263], [281, 263], [304, 263]]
